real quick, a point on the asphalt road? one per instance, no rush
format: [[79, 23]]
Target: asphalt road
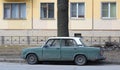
[[22, 66]]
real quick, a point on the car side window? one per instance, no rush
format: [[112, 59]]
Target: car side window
[[68, 43], [56, 43], [53, 43], [49, 42]]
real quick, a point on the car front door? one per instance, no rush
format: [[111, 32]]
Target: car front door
[[52, 51], [68, 49]]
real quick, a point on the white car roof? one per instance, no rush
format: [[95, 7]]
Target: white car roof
[[77, 39], [64, 38]]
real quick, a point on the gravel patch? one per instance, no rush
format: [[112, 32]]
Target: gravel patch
[[112, 56]]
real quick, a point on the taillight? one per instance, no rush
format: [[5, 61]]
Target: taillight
[[101, 52]]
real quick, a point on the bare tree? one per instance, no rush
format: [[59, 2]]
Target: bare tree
[[62, 26]]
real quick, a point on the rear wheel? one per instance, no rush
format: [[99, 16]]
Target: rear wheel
[[80, 60], [32, 59]]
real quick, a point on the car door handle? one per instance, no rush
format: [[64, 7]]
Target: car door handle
[[75, 48], [58, 48]]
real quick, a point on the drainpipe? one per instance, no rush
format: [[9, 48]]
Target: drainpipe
[[29, 30], [93, 17], [32, 15], [32, 20]]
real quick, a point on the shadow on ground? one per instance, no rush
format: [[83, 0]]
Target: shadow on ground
[[90, 63]]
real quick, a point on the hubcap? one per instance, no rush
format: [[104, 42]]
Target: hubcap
[[80, 60], [32, 59]]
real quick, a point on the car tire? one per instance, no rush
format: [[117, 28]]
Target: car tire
[[32, 59], [80, 60]]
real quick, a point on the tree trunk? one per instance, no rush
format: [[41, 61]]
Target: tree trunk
[[62, 26]]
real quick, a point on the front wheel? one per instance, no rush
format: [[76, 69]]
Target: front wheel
[[80, 60], [32, 59]]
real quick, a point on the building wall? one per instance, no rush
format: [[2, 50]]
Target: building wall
[[101, 24], [84, 23], [33, 25], [44, 23], [16, 24]]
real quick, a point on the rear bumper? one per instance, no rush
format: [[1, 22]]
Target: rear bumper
[[101, 58], [98, 58]]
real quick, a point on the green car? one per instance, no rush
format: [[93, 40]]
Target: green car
[[62, 49]]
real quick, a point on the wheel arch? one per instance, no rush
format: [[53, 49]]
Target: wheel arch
[[82, 55], [31, 53]]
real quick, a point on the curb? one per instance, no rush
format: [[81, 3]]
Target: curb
[[111, 62], [14, 60], [19, 60]]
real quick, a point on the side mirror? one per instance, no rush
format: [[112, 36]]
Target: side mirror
[[46, 46]]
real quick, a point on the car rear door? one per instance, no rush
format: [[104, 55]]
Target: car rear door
[[68, 49]]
